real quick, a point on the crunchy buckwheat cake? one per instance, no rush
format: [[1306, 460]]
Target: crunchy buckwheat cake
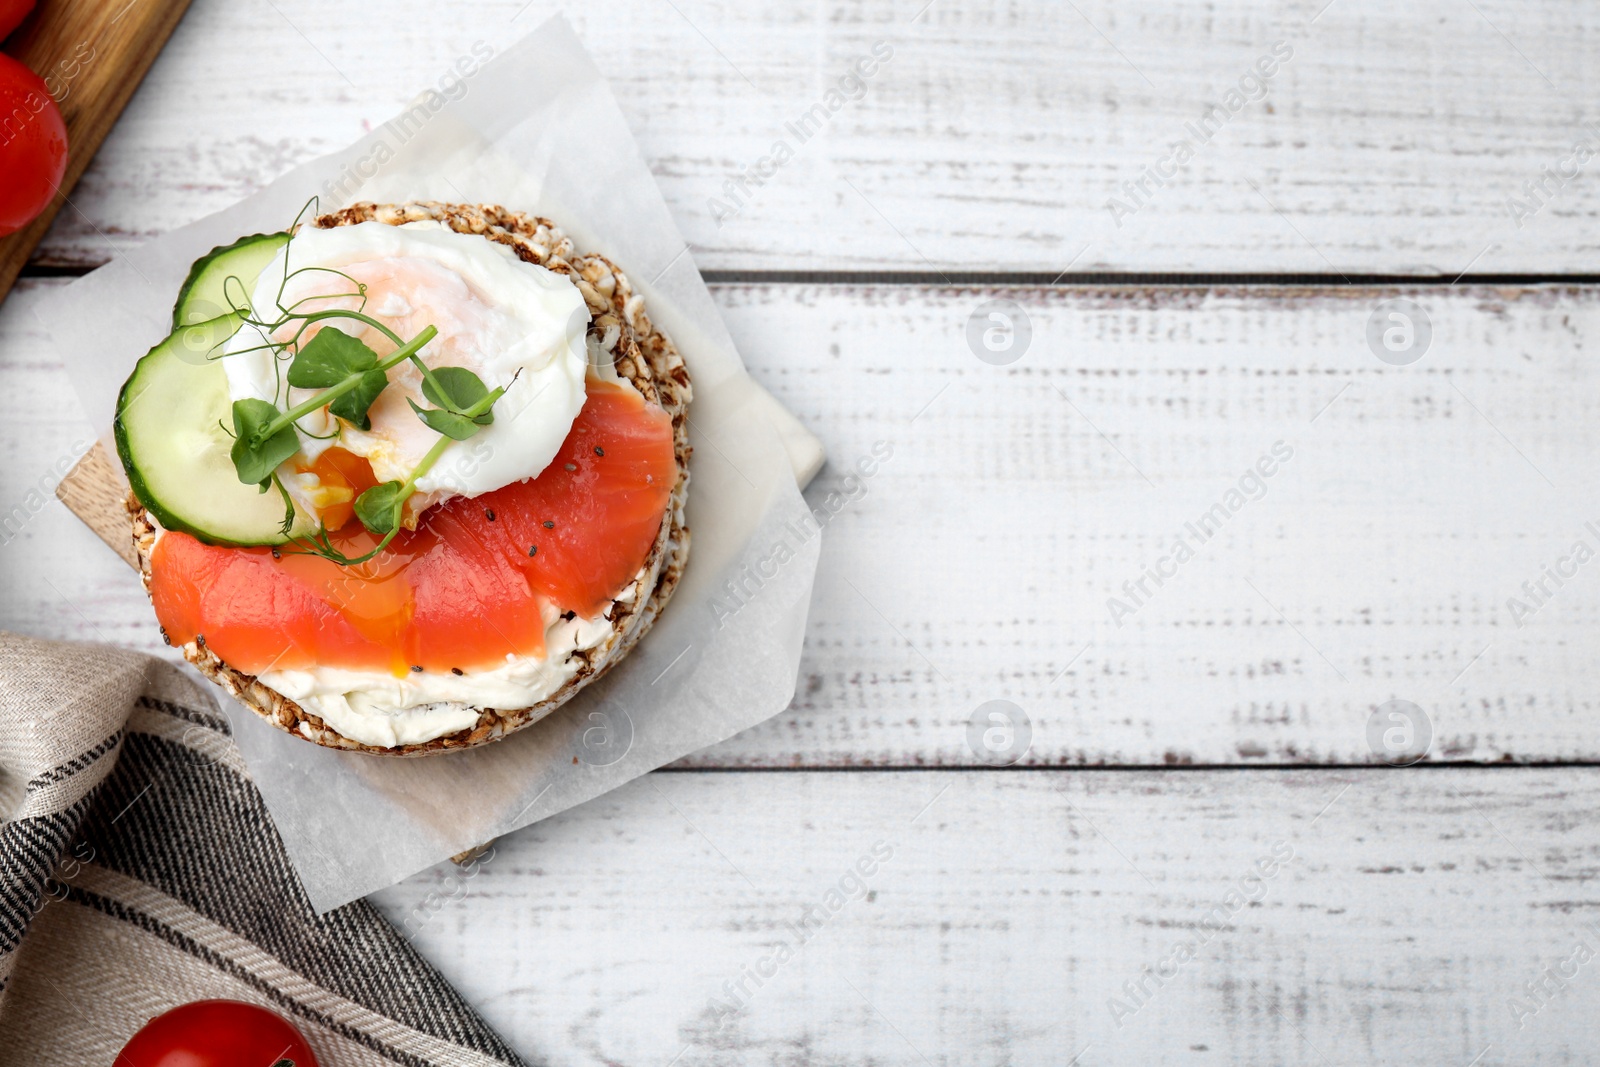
[[641, 355]]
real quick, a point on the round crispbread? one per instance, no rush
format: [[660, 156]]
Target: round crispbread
[[641, 354]]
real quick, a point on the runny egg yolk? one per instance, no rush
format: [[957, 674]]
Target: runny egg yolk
[[341, 476]]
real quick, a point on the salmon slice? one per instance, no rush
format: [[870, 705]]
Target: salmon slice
[[581, 530], [470, 586]]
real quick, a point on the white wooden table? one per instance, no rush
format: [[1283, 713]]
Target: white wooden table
[[1204, 854]]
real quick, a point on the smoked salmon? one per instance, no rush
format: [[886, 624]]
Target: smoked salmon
[[478, 579]]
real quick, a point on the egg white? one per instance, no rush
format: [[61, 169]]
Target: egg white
[[514, 324]]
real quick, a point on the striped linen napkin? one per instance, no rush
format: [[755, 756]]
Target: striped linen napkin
[[139, 870]]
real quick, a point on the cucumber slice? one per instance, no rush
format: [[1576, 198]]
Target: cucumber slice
[[200, 345], [170, 435], [202, 297]]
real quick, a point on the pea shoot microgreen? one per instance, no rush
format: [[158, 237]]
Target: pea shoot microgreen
[[348, 377]]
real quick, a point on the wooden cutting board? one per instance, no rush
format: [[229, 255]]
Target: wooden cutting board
[[92, 54]]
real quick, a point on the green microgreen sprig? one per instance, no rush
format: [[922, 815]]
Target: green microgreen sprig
[[381, 509], [348, 377]]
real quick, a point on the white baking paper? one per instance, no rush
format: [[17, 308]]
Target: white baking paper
[[537, 129]]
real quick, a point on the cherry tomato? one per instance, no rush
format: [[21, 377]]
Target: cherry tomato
[[12, 12], [217, 1033], [33, 145]]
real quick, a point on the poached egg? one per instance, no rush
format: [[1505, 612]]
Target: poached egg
[[514, 324]]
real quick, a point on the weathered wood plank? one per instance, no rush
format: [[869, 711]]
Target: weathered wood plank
[[994, 137], [979, 563], [1008, 505], [1397, 917]]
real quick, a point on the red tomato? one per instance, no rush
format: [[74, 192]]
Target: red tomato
[[217, 1033], [33, 145], [12, 12]]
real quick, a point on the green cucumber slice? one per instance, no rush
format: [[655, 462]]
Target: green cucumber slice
[[200, 345], [202, 297], [171, 438]]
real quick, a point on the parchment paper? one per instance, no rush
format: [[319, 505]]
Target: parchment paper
[[534, 128]]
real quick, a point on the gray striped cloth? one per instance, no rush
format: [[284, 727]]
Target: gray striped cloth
[[139, 870]]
